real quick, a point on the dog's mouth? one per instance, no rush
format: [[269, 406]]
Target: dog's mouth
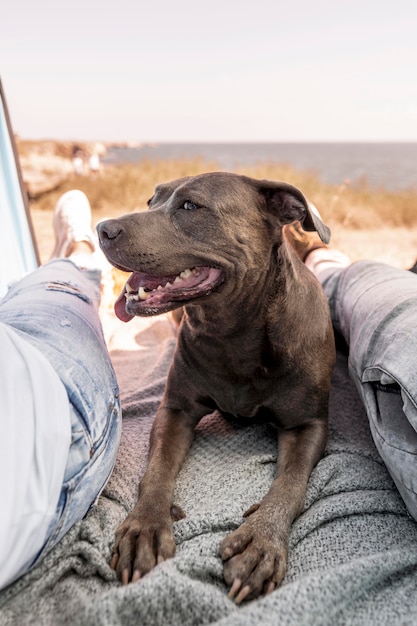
[[145, 294]]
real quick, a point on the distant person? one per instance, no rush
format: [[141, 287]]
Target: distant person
[[78, 161], [94, 165], [374, 308], [60, 412]]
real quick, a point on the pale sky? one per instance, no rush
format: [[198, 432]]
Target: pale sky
[[220, 70]]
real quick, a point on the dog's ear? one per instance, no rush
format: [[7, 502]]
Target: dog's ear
[[288, 204]]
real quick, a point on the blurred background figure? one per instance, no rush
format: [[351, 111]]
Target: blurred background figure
[[78, 161], [94, 165]]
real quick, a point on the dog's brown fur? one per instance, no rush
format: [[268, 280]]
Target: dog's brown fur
[[255, 341]]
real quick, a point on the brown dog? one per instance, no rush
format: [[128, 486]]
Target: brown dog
[[255, 341]]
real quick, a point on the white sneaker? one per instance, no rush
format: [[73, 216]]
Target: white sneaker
[[72, 223]]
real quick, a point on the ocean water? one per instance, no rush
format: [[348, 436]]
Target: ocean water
[[391, 166]]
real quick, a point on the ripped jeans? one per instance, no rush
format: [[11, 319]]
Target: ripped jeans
[[374, 307], [55, 308]]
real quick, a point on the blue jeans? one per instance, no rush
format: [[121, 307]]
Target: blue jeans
[[55, 308], [374, 307]]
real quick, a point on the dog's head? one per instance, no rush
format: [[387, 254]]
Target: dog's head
[[199, 234]]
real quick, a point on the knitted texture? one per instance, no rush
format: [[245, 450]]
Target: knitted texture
[[353, 551]]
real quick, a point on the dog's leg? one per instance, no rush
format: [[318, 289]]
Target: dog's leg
[[255, 554], [146, 537]]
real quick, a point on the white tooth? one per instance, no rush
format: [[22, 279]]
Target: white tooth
[[186, 273], [159, 288], [129, 289], [142, 293], [178, 279], [168, 285]]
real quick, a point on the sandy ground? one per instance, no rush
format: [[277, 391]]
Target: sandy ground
[[39, 160], [395, 246]]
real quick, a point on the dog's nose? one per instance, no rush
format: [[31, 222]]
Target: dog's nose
[[109, 229]]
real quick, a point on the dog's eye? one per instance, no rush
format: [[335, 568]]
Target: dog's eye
[[189, 205]]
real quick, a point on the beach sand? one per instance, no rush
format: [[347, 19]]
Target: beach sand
[[395, 246], [46, 163]]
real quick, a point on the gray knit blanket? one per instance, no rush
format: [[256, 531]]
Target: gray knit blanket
[[353, 550]]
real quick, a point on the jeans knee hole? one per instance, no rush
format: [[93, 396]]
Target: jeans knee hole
[[68, 288]]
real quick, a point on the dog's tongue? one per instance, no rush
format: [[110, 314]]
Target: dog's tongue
[[136, 280], [120, 307], [162, 290], [120, 304]]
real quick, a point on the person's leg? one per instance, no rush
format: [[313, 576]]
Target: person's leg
[[374, 307], [55, 309]]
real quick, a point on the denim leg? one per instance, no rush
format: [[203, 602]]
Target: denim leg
[[55, 308], [374, 307]]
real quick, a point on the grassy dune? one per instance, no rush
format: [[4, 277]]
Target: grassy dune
[[365, 223]]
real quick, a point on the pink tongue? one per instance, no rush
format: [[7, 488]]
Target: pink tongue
[[120, 308], [136, 280], [139, 279]]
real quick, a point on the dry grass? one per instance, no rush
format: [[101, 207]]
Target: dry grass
[[365, 223]]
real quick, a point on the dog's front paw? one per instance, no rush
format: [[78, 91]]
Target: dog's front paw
[[255, 559], [143, 541]]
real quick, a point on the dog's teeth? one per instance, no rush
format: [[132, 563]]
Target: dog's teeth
[[159, 288], [129, 288], [142, 293], [178, 279], [168, 285], [186, 273]]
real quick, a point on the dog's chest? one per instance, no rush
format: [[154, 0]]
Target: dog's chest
[[239, 398], [236, 377], [239, 403]]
